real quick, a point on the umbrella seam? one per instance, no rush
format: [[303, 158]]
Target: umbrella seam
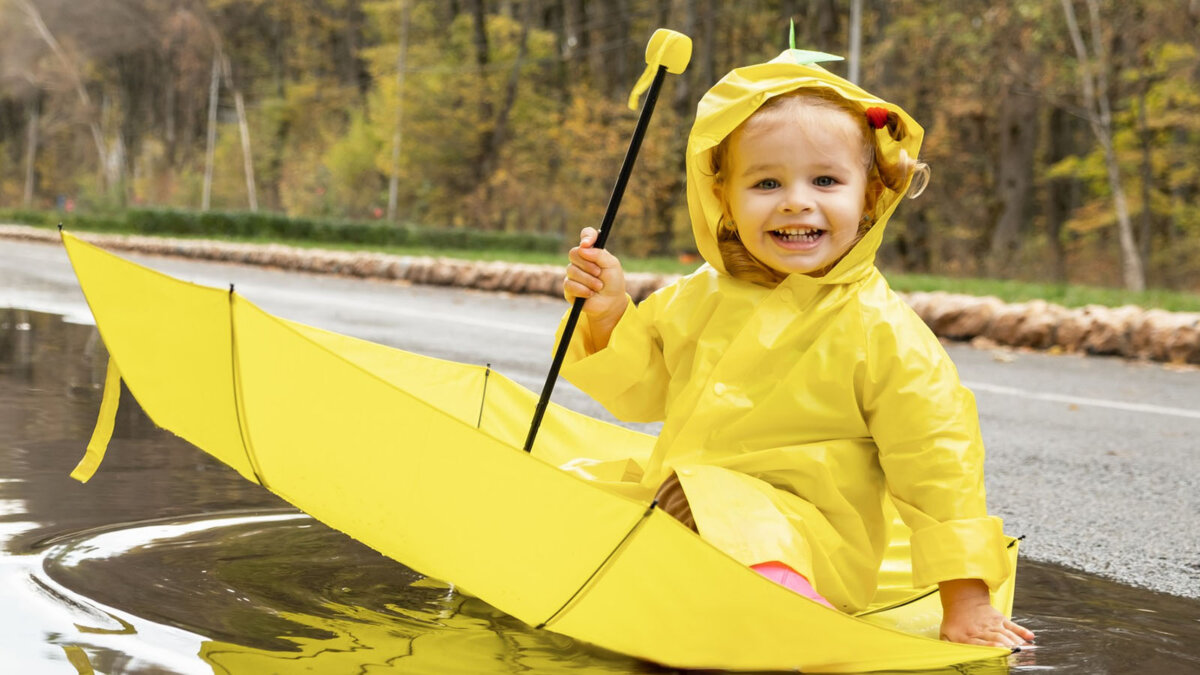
[[237, 399], [483, 397], [604, 563]]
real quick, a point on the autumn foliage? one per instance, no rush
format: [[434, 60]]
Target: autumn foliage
[[510, 116]]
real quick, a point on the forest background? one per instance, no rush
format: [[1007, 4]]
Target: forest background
[[1063, 134]]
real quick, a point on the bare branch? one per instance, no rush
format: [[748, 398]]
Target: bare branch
[[35, 17], [1091, 73], [1085, 64]]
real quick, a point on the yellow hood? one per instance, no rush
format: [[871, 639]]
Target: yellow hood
[[734, 99]]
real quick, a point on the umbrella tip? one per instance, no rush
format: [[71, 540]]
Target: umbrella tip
[[669, 48]]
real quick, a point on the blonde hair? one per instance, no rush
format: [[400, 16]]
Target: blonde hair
[[882, 176]]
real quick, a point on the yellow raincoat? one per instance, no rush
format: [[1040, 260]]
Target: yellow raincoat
[[800, 418]]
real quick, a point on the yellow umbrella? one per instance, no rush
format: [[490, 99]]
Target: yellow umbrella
[[361, 436]]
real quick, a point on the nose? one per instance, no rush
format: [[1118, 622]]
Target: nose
[[796, 198]]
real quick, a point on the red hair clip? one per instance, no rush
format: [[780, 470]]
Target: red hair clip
[[877, 117]]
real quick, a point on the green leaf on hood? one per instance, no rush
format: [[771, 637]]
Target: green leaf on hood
[[803, 56]]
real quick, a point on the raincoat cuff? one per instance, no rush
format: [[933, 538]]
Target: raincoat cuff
[[972, 548], [619, 365]]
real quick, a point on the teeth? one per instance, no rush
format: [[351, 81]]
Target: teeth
[[797, 235]]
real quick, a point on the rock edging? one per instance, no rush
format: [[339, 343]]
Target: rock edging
[[1127, 331]]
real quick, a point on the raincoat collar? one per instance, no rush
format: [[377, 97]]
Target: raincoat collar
[[731, 101]]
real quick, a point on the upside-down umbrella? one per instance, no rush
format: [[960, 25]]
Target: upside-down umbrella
[[366, 439]]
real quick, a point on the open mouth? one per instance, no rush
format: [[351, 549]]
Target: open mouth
[[797, 237]]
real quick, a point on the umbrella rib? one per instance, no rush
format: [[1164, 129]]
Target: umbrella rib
[[604, 563], [483, 397], [237, 399]]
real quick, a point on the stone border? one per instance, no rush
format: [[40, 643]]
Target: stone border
[[1127, 331]]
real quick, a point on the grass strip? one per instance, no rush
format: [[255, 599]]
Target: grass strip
[[1007, 290]]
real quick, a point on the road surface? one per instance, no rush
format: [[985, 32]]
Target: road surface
[[1095, 460]]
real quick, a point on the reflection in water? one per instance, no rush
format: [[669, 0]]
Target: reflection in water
[[123, 575], [282, 592]]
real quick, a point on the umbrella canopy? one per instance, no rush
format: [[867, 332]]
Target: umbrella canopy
[[421, 459]]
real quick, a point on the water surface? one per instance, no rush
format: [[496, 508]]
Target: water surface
[[167, 561]]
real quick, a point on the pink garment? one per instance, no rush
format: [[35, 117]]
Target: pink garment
[[790, 579]]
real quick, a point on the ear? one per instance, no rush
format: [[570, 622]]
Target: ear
[[721, 193]]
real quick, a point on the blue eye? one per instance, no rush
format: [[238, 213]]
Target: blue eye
[[825, 181], [767, 184]]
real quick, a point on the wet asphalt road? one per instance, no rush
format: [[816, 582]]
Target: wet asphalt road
[[1095, 460]]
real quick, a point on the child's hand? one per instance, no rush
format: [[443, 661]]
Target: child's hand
[[968, 617], [596, 274]]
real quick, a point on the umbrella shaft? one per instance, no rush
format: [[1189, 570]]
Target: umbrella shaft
[[614, 201]]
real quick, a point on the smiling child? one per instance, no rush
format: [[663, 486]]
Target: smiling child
[[804, 405]]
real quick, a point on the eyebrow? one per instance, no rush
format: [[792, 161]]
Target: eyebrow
[[761, 168]]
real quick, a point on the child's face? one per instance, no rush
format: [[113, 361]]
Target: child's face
[[796, 191]]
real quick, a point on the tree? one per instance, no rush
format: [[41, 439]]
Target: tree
[[1016, 127], [1094, 82], [109, 170], [398, 134]]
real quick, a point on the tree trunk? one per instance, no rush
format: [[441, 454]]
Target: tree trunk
[[1059, 201], [111, 171], [708, 44], [913, 246], [594, 19], [211, 147], [479, 23], [1147, 214], [1093, 75], [1014, 177], [608, 46], [31, 144], [682, 100], [482, 49], [855, 40], [247, 160], [574, 29], [244, 133], [169, 110], [498, 132], [619, 60], [397, 134], [495, 131]]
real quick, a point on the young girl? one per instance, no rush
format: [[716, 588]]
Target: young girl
[[802, 401]]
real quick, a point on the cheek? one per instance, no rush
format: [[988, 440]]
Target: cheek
[[855, 209], [751, 205], [737, 210]]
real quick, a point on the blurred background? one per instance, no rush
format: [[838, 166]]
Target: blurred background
[[1062, 134]]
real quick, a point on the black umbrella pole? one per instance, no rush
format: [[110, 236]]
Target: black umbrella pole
[[614, 202]]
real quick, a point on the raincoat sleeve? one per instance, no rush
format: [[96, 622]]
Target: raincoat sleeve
[[927, 429], [629, 376]]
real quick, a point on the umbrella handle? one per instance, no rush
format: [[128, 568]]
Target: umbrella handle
[[668, 51]]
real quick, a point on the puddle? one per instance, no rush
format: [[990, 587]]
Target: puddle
[[269, 591], [168, 562]]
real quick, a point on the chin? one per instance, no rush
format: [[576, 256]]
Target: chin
[[807, 267]]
